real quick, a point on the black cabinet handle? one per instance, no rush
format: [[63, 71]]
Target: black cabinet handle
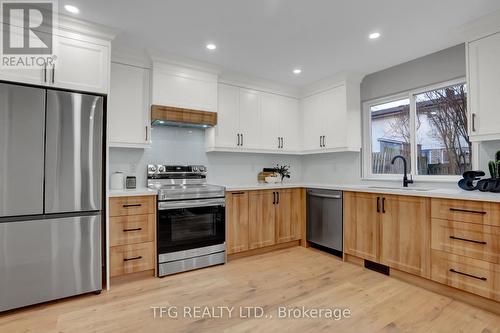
[[281, 142], [378, 204], [132, 205], [134, 258], [237, 193], [468, 240], [134, 229], [45, 73], [53, 73], [146, 133], [467, 211], [383, 205], [241, 139], [469, 275], [473, 122]]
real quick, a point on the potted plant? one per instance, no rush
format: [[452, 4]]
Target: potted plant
[[283, 171], [494, 166]]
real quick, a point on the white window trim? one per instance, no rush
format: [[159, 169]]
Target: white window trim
[[367, 144]]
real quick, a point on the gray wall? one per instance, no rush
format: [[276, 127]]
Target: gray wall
[[447, 64]]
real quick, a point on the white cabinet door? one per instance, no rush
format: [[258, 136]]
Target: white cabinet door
[[271, 111], [250, 119], [312, 122], [484, 88], [184, 88], [227, 129], [128, 106], [333, 112], [80, 65], [289, 127]]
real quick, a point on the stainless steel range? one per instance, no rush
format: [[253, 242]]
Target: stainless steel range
[[191, 218]]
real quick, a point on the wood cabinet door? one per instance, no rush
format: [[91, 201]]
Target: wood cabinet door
[[361, 225], [405, 234], [289, 215], [236, 221], [261, 222]]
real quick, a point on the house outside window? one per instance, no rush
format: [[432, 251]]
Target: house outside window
[[429, 127]]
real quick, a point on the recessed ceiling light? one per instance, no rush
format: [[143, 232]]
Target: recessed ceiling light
[[297, 71], [211, 46], [374, 35], [72, 9]]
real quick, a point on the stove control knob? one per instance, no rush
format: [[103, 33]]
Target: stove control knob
[[161, 168], [195, 168], [202, 168], [152, 168]]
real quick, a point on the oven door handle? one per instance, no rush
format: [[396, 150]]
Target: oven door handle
[[168, 205]]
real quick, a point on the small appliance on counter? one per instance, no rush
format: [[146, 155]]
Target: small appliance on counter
[[117, 180], [191, 218], [131, 182]]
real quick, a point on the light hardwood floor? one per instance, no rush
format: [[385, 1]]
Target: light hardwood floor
[[291, 277]]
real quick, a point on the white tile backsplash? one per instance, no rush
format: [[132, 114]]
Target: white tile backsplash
[[172, 145]]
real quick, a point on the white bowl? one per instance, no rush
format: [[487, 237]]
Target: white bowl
[[271, 179]]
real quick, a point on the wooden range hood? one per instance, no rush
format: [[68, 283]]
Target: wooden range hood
[[172, 116]]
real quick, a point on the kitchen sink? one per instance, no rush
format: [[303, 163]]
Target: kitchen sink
[[419, 189]]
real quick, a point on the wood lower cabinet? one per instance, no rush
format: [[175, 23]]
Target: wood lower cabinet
[[132, 233], [388, 229], [260, 218], [466, 211], [262, 215], [405, 234], [361, 225], [289, 214], [236, 221], [472, 275]]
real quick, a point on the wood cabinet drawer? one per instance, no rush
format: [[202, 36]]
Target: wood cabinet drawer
[[131, 258], [466, 211], [467, 239], [136, 205], [472, 275], [131, 229]]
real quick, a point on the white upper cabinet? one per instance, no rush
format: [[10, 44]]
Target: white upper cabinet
[[331, 120], [250, 119], [184, 87], [80, 65], [254, 121], [226, 133], [129, 106], [484, 88]]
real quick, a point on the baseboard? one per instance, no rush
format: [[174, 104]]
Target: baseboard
[[460, 295], [263, 250]]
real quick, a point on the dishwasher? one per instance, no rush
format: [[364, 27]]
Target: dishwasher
[[324, 220]]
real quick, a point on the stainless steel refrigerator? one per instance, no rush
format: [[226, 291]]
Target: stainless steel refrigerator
[[50, 194]]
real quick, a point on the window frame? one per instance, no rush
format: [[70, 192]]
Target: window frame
[[367, 135]]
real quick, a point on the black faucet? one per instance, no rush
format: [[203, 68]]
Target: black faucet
[[406, 181]]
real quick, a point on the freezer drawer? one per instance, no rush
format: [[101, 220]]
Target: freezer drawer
[[324, 218], [22, 118], [42, 260], [73, 158]]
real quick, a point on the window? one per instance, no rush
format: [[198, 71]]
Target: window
[[428, 127]]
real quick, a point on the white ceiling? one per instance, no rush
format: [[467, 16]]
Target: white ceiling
[[268, 38]]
